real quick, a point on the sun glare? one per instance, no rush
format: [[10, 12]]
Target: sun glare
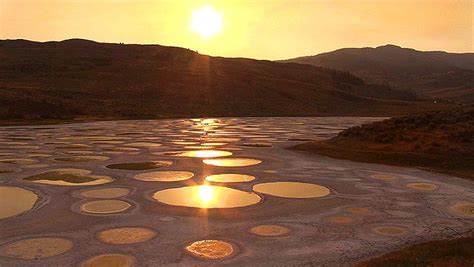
[[206, 21], [206, 194]]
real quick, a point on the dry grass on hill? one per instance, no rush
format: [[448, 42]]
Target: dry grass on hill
[[441, 141]]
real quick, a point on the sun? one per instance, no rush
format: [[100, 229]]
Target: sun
[[206, 21]]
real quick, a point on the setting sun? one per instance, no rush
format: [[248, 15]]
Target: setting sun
[[236, 132], [206, 21]]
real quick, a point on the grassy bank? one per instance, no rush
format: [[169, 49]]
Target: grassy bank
[[441, 141], [453, 252]]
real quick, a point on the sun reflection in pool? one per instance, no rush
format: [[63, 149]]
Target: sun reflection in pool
[[206, 196], [204, 154], [205, 193], [292, 189]]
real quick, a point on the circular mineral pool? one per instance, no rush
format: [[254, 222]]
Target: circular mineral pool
[[138, 166], [112, 192], [126, 235], [164, 176], [212, 144], [198, 147], [232, 162], [389, 230], [144, 145], [206, 196], [270, 171], [185, 143], [358, 210], [422, 186], [19, 161], [269, 230], [105, 206], [109, 260], [384, 177], [83, 158], [292, 190], [340, 219], [230, 178], [15, 200], [36, 248], [463, 209], [257, 144], [211, 249], [69, 177]]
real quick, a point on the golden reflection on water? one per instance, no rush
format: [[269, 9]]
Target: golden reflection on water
[[232, 162], [214, 144], [292, 189], [205, 154], [207, 124], [206, 193], [206, 196], [144, 144], [230, 178]]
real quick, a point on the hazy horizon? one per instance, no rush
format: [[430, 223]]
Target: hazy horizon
[[278, 29]]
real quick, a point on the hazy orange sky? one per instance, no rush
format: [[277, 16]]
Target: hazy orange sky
[[270, 29]]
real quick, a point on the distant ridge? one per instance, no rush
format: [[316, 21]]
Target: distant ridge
[[433, 75], [75, 41], [78, 77], [21, 43]]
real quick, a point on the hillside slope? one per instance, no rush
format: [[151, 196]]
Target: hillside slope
[[84, 78], [434, 75], [442, 141]]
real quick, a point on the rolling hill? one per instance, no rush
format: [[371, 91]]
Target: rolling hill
[[432, 75], [81, 78]]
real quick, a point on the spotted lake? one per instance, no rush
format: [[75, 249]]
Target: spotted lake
[[204, 191]]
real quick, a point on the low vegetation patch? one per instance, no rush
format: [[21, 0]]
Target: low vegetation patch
[[441, 141], [453, 253]]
